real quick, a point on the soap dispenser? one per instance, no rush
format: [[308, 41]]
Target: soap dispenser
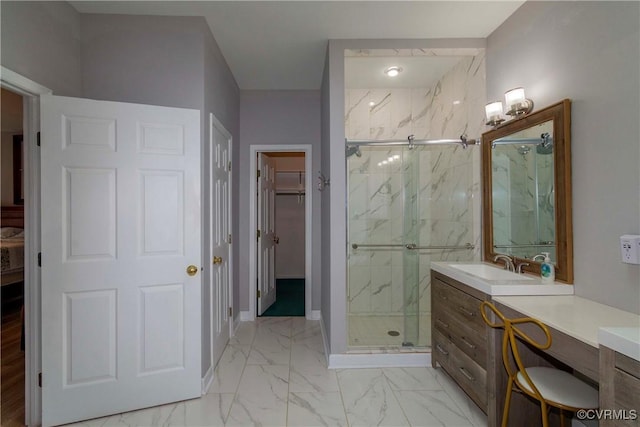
[[547, 269]]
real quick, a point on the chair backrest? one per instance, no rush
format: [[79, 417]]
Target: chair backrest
[[510, 342]]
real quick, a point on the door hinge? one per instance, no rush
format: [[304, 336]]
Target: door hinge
[[258, 174], [38, 139], [39, 259], [40, 379], [258, 234], [229, 166], [229, 239], [258, 293], [230, 312]]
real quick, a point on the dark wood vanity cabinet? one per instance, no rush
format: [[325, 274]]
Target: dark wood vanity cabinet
[[459, 336]]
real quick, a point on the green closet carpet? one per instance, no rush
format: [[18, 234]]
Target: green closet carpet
[[289, 298]]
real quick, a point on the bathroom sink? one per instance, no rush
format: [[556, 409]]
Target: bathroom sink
[[494, 280], [488, 272]]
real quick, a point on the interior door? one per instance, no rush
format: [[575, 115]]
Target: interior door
[[121, 251], [220, 223], [266, 233]]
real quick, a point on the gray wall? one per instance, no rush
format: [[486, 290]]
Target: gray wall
[[278, 118], [588, 52], [41, 41], [154, 60]]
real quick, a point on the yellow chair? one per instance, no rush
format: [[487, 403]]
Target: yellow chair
[[549, 386]]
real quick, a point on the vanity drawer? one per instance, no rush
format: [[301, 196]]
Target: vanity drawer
[[470, 376], [441, 348], [469, 341], [466, 308]]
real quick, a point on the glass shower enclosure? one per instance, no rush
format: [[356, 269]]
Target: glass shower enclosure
[[408, 205]]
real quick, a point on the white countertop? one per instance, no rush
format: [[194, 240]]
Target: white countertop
[[622, 340], [528, 285], [582, 319]]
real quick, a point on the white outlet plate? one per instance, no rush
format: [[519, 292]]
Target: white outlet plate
[[630, 248]]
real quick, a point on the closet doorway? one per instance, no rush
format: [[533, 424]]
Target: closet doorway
[[282, 218]]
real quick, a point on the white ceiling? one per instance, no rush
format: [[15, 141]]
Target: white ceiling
[[277, 45]]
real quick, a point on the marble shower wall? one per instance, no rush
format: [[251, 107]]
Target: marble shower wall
[[446, 206]]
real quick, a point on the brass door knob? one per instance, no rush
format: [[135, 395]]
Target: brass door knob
[[192, 270], [217, 260]]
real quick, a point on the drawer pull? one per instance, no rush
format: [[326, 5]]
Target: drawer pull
[[470, 345], [466, 374], [465, 311], [442, 350], [440, 322]]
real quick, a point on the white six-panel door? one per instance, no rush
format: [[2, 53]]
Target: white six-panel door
[[220, 225], [266, 225], [121, 225]]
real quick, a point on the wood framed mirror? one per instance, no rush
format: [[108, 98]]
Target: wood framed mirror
[[526, 190]]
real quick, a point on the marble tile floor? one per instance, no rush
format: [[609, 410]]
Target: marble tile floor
[[273, 373]]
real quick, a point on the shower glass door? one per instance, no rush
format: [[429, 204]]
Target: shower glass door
[[401, 202]]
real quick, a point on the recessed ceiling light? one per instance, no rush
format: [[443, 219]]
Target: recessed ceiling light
[[393, 71]]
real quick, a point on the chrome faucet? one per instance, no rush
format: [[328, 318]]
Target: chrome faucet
[[519, 267], [535, 258], [508, 262]]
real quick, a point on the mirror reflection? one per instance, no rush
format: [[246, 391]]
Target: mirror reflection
[[523, 192]]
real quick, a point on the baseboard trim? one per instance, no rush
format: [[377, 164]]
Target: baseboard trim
[[207, 380], [379, 360], [246, 316], [314, 315], [235, 326], [325, 340]]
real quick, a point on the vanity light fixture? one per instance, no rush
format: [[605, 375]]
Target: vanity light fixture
[[393, 71], [493, 112], [517, 103], [372, 103]]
